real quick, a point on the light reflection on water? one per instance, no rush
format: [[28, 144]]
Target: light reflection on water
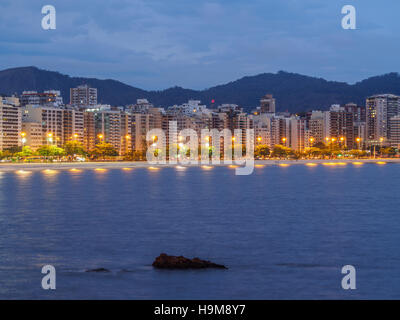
[[266, 227]]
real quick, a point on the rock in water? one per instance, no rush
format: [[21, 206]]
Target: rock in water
[[98, 270], [165, 261]]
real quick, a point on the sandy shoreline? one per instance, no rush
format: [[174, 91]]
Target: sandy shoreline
[[139, 164]]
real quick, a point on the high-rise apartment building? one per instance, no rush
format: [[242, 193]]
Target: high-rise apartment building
[[355, 124], [317, 126], [297, 136], [50, 98], [10, 123], [107, 126], [73, 125], [267, 104], [262, 129], [280, 130], [380, 109], [126, 132], [89, 130], [83, 96], [144, 121], [33, 134], [395, 131], [51, 120]]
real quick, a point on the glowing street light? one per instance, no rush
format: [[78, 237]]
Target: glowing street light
[[358, 140], [259, 139], [100, 136], [49, 137], [23, 139]]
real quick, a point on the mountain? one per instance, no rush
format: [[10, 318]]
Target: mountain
[[293, 92]]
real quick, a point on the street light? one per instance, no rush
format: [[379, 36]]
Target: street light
[[259, 139], [100, 136], [23, 139], [312, 140], [49, 137], [127, 144], [358, 142], [381, 141], [284, 140], [343, 142]]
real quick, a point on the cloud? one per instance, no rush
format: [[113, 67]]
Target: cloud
[[155, 44]]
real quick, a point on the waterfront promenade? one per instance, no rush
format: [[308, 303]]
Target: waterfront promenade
[[4, 167]]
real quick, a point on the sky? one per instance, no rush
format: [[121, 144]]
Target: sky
[[156, 44]]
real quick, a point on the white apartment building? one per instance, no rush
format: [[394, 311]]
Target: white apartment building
[[395, 131], [73, 125], [380, 109], [51, 98], [297, 133], [51, 121], [33, 134], [10, 123], [107, 125], [83, 96]]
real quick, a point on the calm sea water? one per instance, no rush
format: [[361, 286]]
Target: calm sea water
[[284, 232]]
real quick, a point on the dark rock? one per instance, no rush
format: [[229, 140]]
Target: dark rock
[[165, 261], [98, 270]]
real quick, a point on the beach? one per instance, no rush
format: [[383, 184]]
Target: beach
[[4, 167]]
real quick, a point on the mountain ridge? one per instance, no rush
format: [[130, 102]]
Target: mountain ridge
[[293, 92]]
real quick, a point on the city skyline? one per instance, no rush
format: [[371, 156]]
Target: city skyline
[[38, 119]]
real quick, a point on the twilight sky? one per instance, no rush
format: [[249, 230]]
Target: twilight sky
[[154, 44]]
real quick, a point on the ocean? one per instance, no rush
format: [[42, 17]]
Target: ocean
[[283, 232]]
